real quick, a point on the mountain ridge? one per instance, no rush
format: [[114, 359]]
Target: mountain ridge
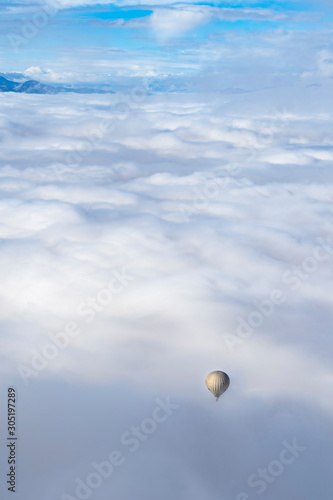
[[35, 87]]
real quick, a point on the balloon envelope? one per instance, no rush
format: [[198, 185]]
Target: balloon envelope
[[217, 382]]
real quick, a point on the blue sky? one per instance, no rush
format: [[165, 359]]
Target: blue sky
[[91, 41]]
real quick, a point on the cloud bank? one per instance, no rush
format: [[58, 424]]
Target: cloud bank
[[151, 239]]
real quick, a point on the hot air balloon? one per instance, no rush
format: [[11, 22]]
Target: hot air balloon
[[217, 383]]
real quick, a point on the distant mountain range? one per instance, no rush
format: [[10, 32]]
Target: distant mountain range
[[34, 87]]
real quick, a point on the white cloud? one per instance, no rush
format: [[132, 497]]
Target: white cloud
[[208, 203], [172, 22]]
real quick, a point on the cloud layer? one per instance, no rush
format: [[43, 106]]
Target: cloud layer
[[180, 234]]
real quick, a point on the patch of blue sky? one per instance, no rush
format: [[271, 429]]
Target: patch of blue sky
[[249, 25], [114, 14], [280, 6], [224, 26], [31, 55]]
